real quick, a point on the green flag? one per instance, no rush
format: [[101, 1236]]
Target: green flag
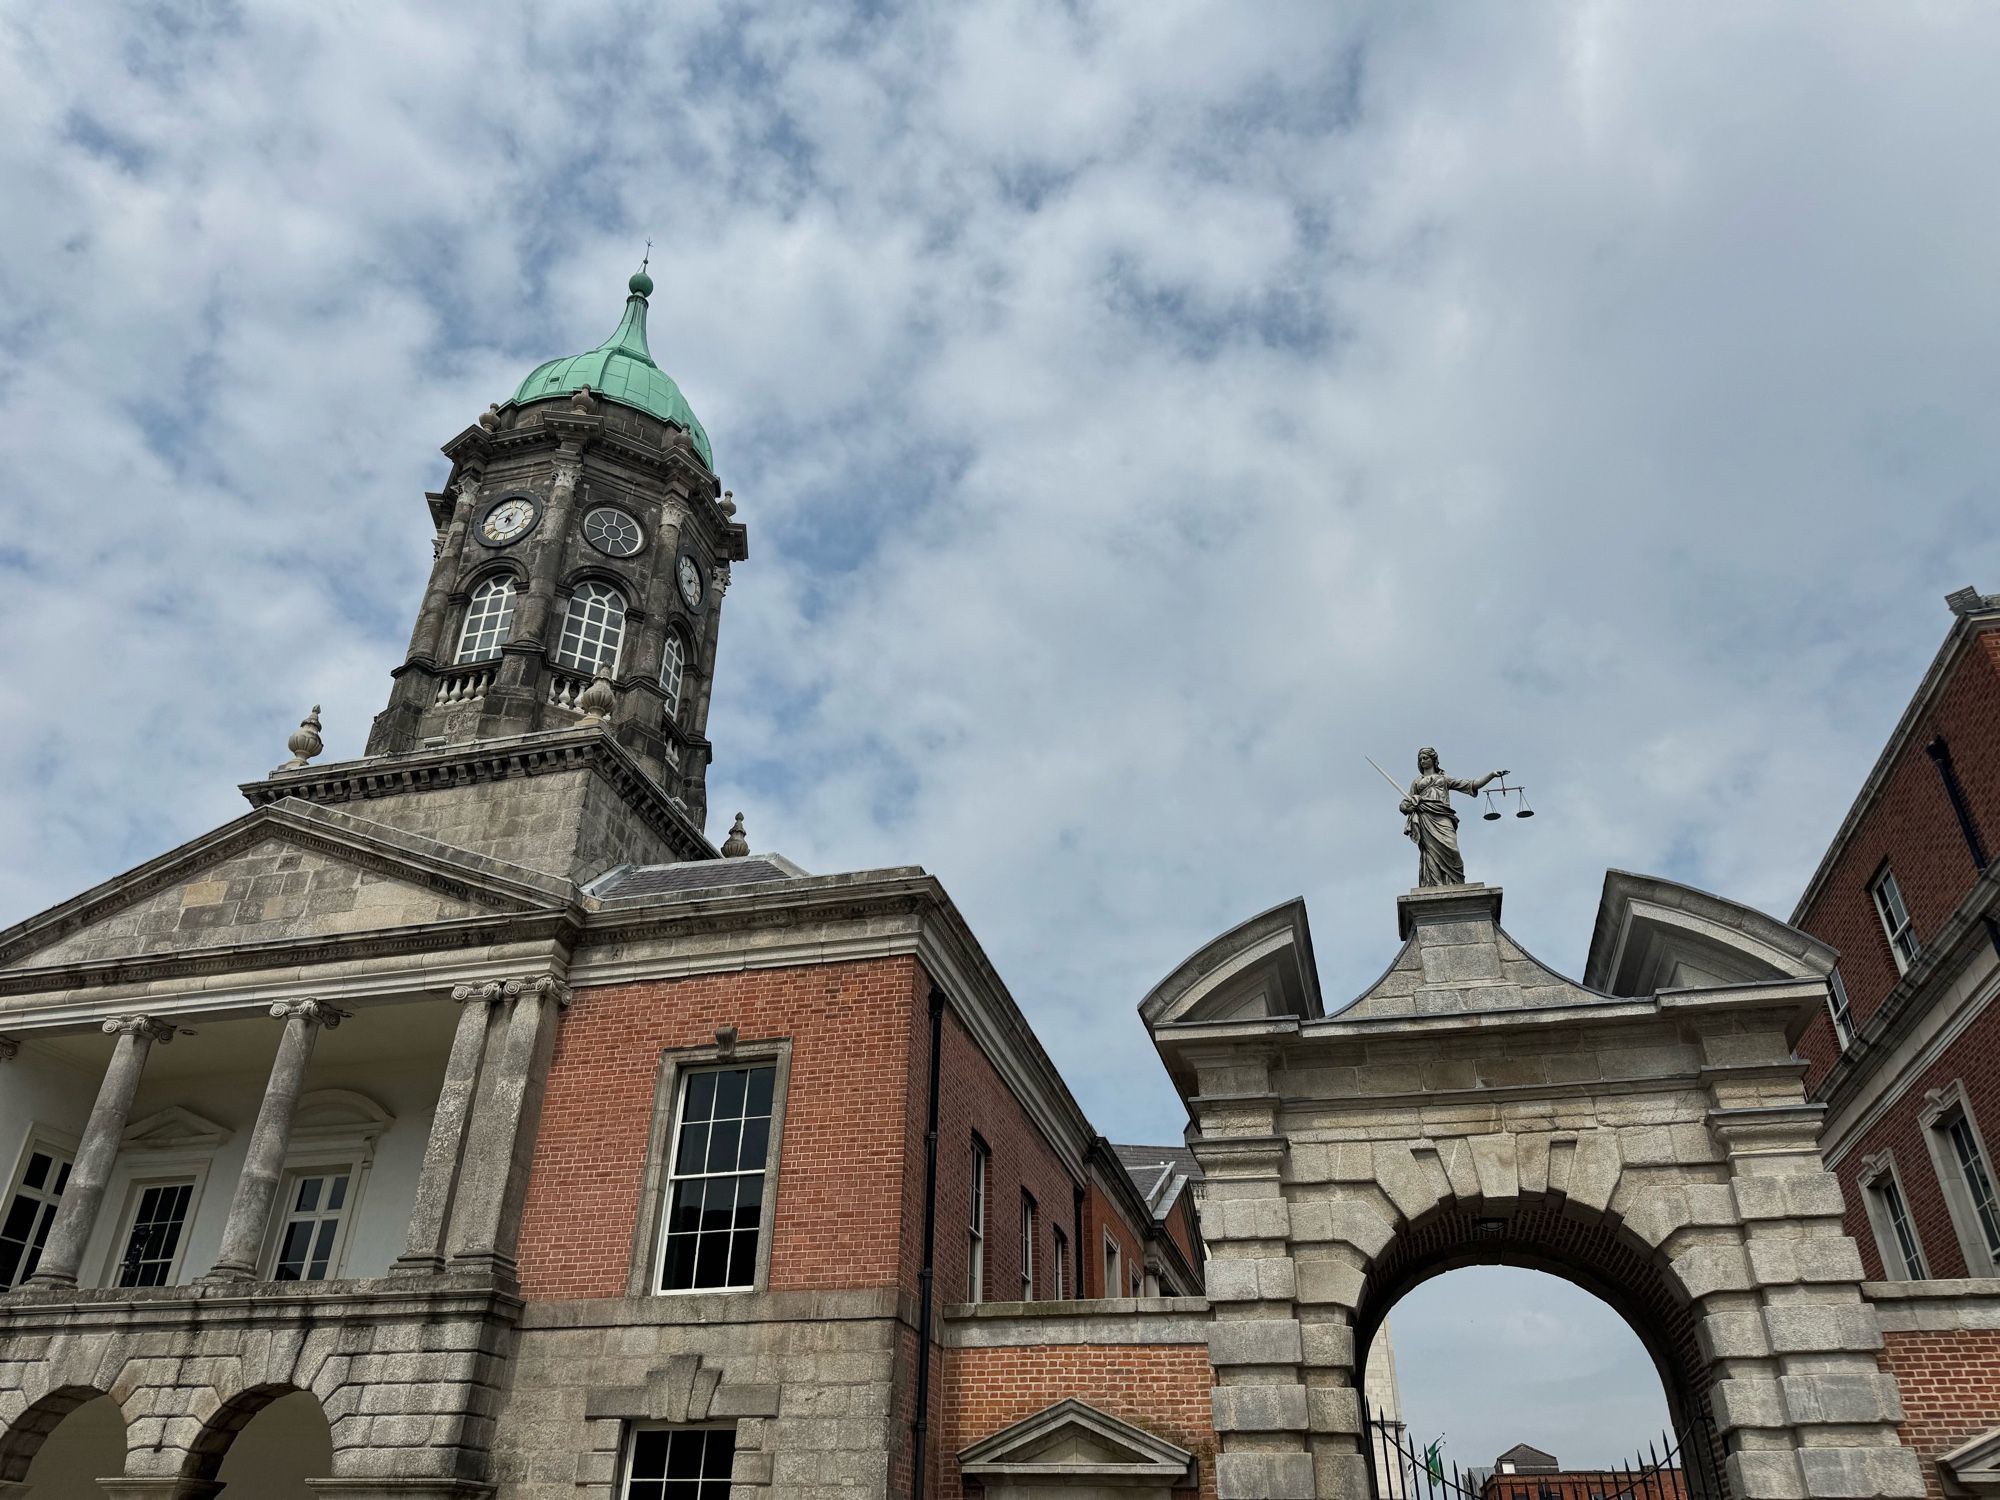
[[1434, 1460]]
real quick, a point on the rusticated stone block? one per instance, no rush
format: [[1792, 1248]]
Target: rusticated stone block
[[1259, 1408], [1264, 1476]]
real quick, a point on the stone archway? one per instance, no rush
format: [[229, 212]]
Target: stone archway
[[270, 1441], [63, 1444], [1474, 1105]]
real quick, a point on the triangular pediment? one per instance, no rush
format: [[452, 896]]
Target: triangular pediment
[[174, 1129], [283, 873], [1260, 970], [1076, 1442], [1973, 1468]]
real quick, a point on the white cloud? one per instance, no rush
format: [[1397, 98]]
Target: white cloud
[[1140, 413]]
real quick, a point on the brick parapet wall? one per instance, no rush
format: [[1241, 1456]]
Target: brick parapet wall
[[1911, 825], [1003, 1376], [1973, 1058], [843, 1160], [1941, 1340], [1101, 1216]]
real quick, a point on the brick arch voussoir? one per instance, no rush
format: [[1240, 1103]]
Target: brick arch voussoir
[[1586, 1242]]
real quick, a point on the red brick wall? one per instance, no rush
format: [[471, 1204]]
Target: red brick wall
[[1974, 1059], [844, 1159], [1911, 825], [1101, 1215], [1951, 1390], [975, 1099], [1181, 1228], [1163, 1388]]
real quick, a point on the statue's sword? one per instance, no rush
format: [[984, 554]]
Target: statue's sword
[[1401, 792]]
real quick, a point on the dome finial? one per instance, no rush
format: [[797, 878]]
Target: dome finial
[[642, 284], [737, 845]]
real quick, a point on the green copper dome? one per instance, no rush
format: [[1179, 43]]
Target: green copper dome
[[621, 369]]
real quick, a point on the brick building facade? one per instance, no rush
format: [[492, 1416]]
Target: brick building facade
[[461, 1124]]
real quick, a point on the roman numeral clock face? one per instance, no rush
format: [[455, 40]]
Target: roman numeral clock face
[[688, 574], [508, 521]]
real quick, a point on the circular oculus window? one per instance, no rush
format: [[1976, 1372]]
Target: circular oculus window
[[612, 532]]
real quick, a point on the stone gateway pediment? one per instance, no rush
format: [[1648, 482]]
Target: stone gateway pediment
[[1259, 970], [280, 874], [1073, 1449]]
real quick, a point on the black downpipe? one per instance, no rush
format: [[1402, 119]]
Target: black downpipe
[[1076, 1271], [920, 1428], [1940, 754]]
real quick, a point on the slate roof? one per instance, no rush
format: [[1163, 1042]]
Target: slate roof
[[1525, 1456], [1159, 1172], [692, 875]]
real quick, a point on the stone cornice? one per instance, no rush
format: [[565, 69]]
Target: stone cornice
[[837, 918], [547, 752], [1964, 630], [68, 1310], [260, 974]]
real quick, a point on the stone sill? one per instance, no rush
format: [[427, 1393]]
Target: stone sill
[[1941, 1305], [705, 1308]]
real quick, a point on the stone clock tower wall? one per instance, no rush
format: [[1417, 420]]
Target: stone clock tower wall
[[531, 486]]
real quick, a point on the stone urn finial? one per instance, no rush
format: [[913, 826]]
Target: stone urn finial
[[599, 698], [490, 418], [729, 502], [305, 742], [737, 844], [584, 401]]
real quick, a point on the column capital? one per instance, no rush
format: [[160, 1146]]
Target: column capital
[[567, 470], [545, 986], [147, 1026], [551, 988], [312, 1010]]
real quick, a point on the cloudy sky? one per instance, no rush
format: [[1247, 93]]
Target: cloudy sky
[[1140, 412]]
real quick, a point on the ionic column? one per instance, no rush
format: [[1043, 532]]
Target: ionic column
[[492, 1182], [437, 1185], [257, 1186], [98, 1152]]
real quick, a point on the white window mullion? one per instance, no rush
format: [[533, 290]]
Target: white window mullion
[[975, 1267]]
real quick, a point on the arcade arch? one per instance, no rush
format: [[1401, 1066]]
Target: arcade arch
[[63, 1444]]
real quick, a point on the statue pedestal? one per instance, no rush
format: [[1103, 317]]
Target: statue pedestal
[[1472, 902]]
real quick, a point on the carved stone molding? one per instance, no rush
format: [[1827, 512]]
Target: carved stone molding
[[159, 1031], [317, 1011]]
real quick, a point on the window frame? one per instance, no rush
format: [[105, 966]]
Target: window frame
[[1839, 1008], [1943, 1108], [1030, 1226], [978, 1190], [1059, 1264], [136, 1187], [673, 650], [571, 662], [1904, 947], [629, 1450], [486, 588], [656, 1188], [1114, 1266], [60, 1147], [281, 1216], [1879, 1178]]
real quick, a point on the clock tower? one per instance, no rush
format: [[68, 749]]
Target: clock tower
[[558, 675]]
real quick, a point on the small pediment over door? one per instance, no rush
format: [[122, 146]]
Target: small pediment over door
[[1973, 1468], [1071, 1450]]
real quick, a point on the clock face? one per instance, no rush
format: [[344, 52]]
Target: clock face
[[689, 576], [612, 532], [508, 521]]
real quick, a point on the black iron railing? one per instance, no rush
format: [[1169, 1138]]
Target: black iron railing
[[1682, 1464]]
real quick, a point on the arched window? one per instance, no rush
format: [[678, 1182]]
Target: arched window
[[489, 620], [594, 627], [673, 665]]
